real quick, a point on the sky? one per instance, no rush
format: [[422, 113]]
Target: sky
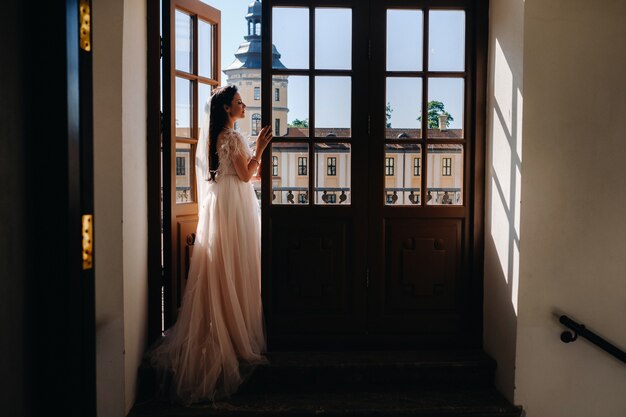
[[333, 51]]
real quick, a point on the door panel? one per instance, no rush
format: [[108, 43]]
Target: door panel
[[186, 235], [422, 263], [312, 271], [421, 298]]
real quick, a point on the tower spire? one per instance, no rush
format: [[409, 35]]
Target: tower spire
[[248, 54]]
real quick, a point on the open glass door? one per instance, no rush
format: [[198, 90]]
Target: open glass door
[[191, 69]]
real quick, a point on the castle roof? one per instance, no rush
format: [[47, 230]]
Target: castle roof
[[248, 54]]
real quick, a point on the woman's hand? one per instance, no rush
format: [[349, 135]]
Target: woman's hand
[[264, 138]]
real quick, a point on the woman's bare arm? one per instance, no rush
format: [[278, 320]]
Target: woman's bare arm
[[245, 166]]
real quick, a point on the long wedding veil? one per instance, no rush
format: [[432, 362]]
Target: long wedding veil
[[202, 155]]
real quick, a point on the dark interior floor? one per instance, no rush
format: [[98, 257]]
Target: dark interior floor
[[397, 383]]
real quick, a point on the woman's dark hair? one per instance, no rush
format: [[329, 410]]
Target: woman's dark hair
[[219, 117]]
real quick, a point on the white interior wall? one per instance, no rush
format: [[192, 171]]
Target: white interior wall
[[503, 171], [107, 18], [119, 70], [573, 199], [134, 161]]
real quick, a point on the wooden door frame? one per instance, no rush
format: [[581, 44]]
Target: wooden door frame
[[474, 172], [473, 240], [477, 124], [153, 149], [163, 256]]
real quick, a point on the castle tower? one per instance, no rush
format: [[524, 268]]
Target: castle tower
[[245, 73]]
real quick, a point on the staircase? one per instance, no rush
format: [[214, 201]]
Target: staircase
[[381, 384]]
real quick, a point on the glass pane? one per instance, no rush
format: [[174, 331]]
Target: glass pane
[[445, 175], [333, 106], [204, 92], [445, 108], [404, 107], [290, 173], [292, 106], [205, 49], [183, 107], [404, 40], [403, 174], [184, 36], [184, 178], [446, 38], [332, 173], [290, 35], [333, 38]]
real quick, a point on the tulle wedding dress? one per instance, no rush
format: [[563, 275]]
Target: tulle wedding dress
[[219, 334]]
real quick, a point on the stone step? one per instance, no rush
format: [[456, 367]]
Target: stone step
[[443, 383], [420, 403], [384, 371]]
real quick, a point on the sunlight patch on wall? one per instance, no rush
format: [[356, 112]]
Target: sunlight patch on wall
[[518, 130], [503, 88], [506, 147], [499, 227], [501, 158], [515, 275], [517, 202]]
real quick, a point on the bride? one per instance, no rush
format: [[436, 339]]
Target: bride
[[219, 334]]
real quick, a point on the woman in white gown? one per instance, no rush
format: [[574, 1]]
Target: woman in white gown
[[219, 333]]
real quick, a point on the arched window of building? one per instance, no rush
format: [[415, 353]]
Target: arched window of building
[[256, 124], [274, 166]]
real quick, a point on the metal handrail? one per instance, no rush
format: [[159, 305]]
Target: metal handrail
[[580, 329]]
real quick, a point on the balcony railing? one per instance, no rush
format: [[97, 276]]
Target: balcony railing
[[438, 195], [303, 194]]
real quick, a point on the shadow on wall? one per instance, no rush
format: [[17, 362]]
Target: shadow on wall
[[504, 173]]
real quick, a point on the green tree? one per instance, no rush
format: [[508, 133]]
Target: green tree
[[435, 108], [388, 111], [299, 123]]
